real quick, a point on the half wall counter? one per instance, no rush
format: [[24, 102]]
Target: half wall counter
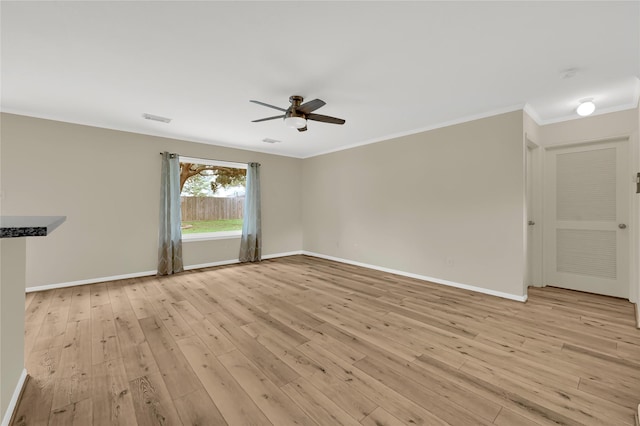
[[14, 231]]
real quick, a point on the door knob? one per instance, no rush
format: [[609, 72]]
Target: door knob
[[622, 226]]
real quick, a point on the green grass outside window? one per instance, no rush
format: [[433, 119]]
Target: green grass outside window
[[200, 226]]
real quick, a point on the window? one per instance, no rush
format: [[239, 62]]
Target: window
[[212, 198]]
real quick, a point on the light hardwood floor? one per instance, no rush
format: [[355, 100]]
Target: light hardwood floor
[[300, 340]]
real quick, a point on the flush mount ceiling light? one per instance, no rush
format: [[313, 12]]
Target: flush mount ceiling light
[[586, 108]]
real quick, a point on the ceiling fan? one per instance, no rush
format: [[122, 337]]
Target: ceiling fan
[[297, 114]]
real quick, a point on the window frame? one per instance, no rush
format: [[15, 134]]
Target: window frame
[[220, 235]]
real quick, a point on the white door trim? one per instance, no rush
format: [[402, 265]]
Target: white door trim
[[535, 174]]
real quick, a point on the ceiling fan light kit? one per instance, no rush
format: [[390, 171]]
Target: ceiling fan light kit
[[295, 122], [297, 114]]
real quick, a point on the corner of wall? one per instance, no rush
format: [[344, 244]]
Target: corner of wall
[[15, 397]]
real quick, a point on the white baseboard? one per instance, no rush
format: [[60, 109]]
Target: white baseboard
[[421, 277], [210, 264], [231, 262], [89, 281], [290, 253], [14, 398], [147, 273]]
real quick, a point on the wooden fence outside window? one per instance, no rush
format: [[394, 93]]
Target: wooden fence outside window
[[211, 208]]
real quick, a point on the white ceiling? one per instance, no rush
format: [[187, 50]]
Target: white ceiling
[[388, 68]]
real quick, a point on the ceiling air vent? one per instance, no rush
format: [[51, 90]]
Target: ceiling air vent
[[156, 118], [267, 140]]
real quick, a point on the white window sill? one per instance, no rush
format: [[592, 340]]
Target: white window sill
[[207, 236]]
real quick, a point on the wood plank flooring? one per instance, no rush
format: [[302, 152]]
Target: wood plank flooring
[[305, 341]]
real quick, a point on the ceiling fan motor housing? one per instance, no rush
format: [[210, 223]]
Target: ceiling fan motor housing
[[293, 109], [296, 100]]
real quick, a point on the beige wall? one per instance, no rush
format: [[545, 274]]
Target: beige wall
[[107, 184], [622, 123], [410, 203], [602, 127], [12, 299]]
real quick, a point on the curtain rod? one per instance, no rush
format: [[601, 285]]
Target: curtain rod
[[210, 159]]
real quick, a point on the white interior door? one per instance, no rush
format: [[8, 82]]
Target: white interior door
[[587, 218]]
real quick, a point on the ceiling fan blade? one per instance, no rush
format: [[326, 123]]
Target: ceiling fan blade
[[325, 119], [267, 105], [302, 129], [268, 118], [311, 106]]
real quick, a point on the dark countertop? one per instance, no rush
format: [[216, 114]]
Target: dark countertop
[[28, 226]]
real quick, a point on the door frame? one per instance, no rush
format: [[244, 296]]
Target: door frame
[[533, 194], [634, 236]]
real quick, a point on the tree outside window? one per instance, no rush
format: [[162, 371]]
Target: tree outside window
[[212, 195]]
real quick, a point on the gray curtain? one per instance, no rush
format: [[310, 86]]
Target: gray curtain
[[170, 235], [251, 242]]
